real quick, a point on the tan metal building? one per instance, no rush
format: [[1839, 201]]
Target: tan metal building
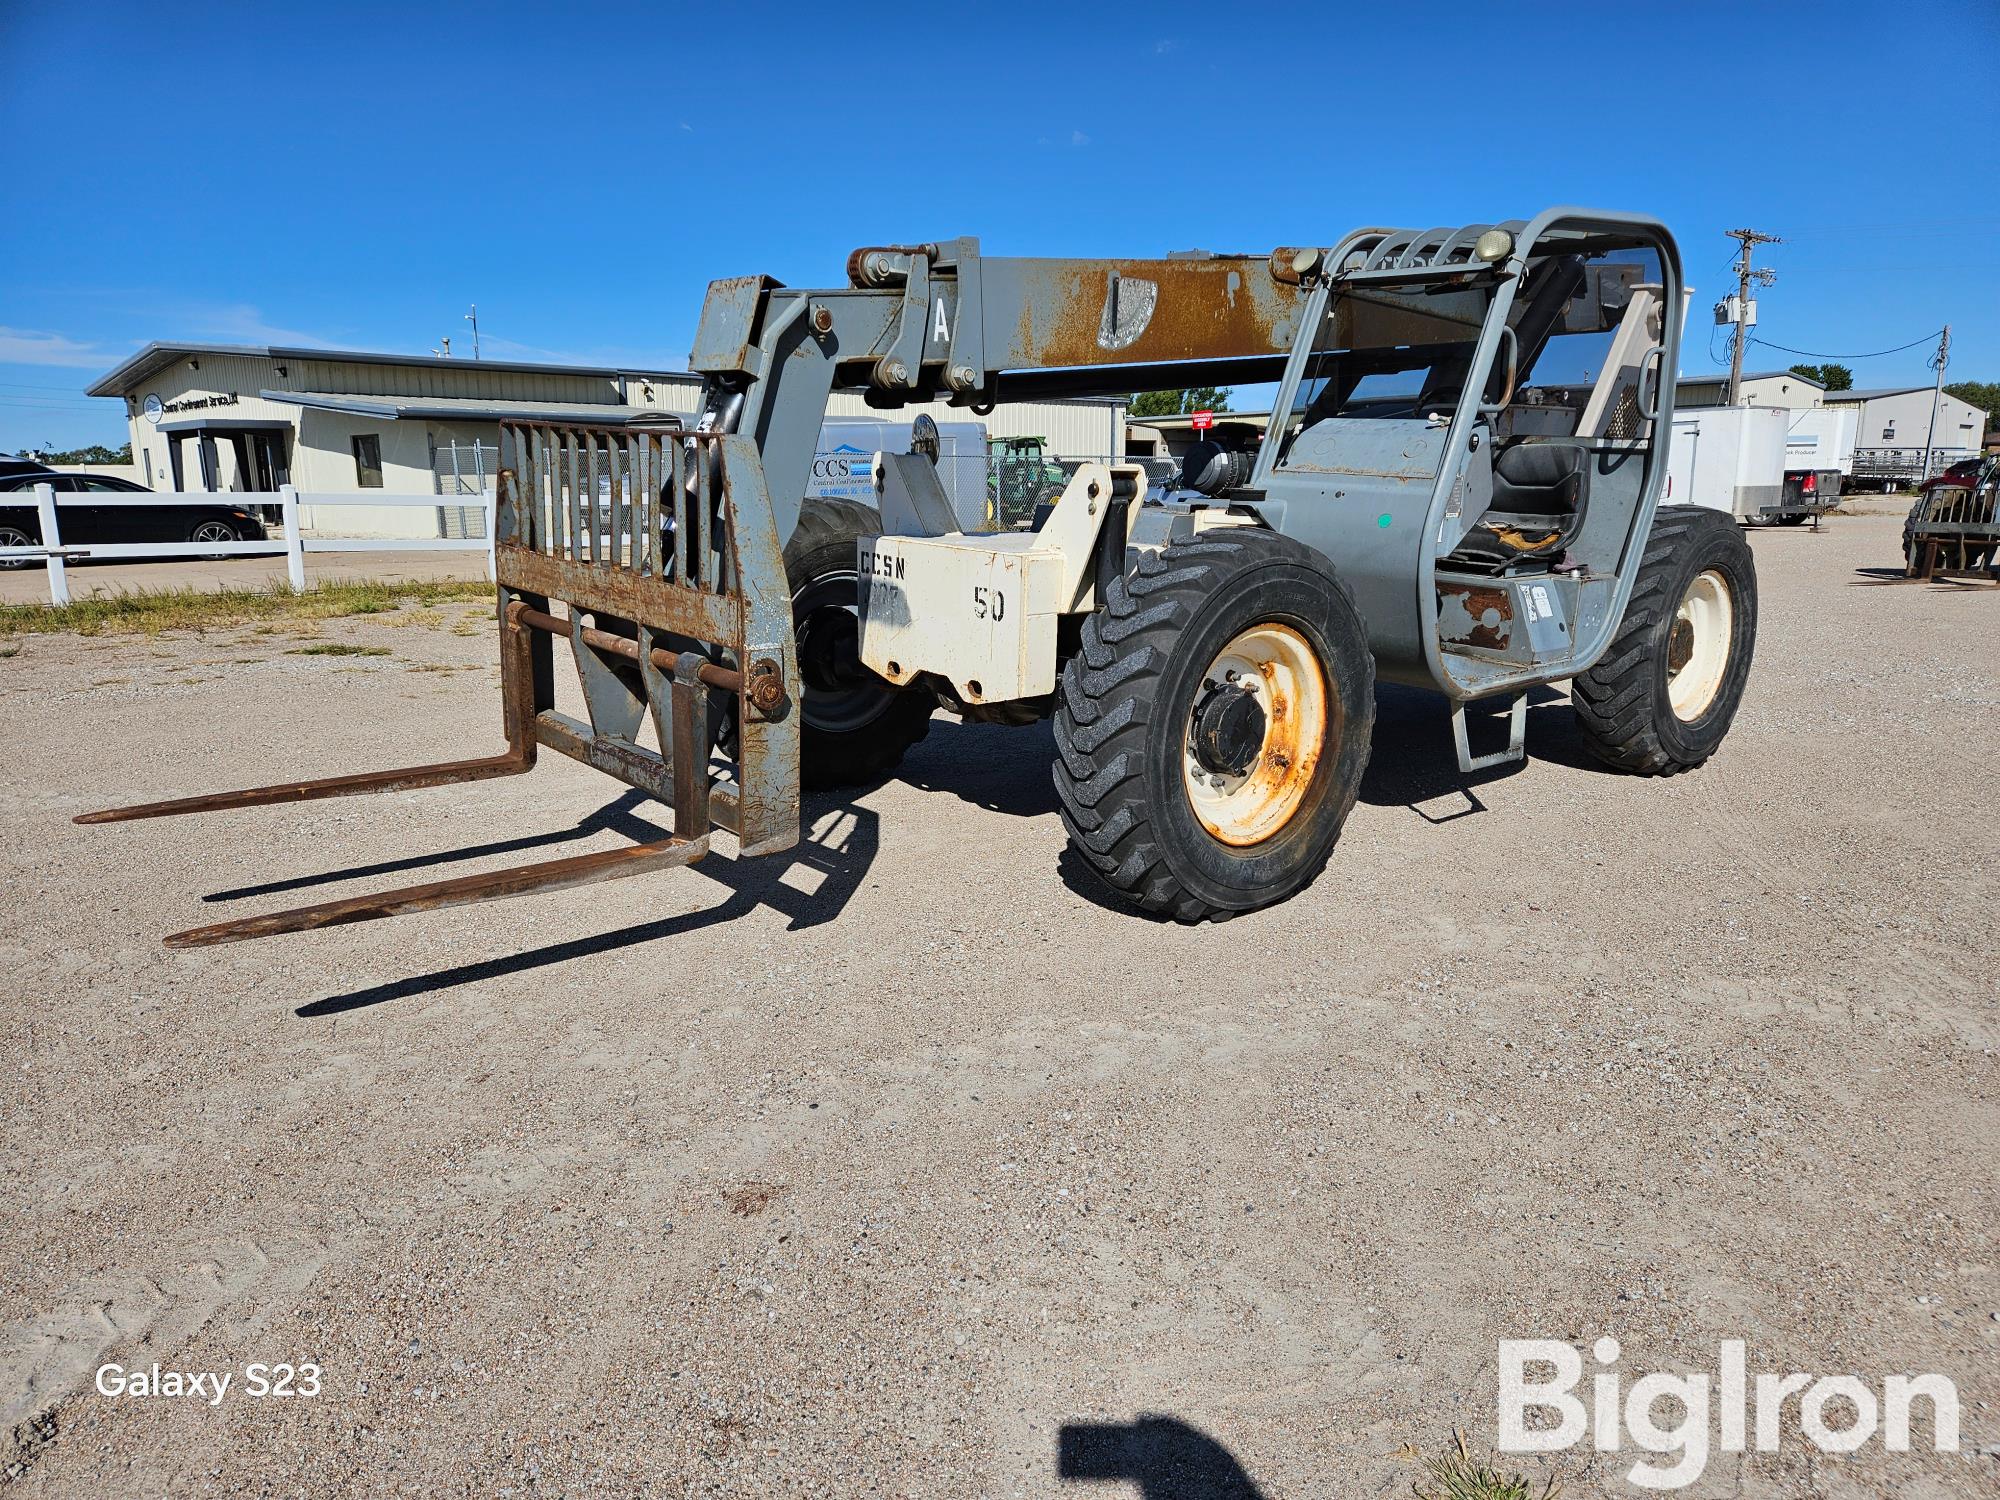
[[242, 418], [1785, 388]]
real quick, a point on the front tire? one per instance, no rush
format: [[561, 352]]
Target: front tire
[[1212, 730], [1662, 697], [208, 533], [14, 536]]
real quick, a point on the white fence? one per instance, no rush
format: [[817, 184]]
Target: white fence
[[291, 546]]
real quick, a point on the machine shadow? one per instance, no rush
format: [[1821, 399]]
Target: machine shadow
[[1413, 761], [1006, 769], [1866, 578], [1165, 1457], [615, 817], [839, 853], [997, 767]]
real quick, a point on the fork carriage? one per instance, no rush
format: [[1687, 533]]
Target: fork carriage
[[660, 548]]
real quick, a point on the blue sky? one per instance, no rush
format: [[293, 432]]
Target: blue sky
[[355, 175]]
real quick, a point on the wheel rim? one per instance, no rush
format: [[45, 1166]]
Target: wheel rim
[[214, 531], [1698, 645], [1255, 734], [838, 693], [9, 537]]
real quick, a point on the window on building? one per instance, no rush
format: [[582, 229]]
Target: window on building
[[368, 461]]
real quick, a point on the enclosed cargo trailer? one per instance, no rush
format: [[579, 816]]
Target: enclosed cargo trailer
[[1731, 459]]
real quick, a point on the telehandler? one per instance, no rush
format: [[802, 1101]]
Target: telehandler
[[1457, 490]]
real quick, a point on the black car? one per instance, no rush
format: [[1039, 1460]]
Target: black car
[[82, 524]]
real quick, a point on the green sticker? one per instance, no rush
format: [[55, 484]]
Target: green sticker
[[1383, 520]]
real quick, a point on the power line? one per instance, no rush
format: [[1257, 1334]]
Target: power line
[[1816, 354]]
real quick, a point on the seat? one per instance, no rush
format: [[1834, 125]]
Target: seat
[[1540, 491], [1539, 479]]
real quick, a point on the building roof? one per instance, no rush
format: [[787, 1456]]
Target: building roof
[[1721, 377], [155, 357], [472, 409], [1878, 392]]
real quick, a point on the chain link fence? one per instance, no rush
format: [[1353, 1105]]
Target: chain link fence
[[468, 469]]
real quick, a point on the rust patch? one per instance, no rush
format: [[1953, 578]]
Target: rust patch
[[1288, 762], [1489, 611], [1222, 308]]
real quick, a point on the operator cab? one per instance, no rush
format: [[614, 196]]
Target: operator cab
[[1475, 409]]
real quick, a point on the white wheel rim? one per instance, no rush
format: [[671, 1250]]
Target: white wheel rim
[[1698, 646], [1276, 664]]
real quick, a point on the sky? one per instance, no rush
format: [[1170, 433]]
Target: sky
[[357, 176]]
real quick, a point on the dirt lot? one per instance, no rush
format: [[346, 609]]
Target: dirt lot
[[890, 1171]]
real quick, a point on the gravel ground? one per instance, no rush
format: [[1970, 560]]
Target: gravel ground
[[914, 1165]]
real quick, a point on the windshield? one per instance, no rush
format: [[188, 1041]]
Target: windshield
[[1386, 351], [1580, 323]]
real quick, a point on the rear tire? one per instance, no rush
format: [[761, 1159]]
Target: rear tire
[[1178, 792], [1662, 697], [856, 726]]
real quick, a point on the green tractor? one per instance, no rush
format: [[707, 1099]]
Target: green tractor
[[1019, 477]]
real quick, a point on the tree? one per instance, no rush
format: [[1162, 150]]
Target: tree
[[1833, 377], [1179, 403], [96, 453], [1984, 394]]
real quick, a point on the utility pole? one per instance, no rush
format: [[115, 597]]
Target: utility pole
[[1937, 397], [1744, 276], [473, 318]]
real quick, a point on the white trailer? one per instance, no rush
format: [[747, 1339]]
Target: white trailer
[[1819, 457], [1731, 459], [1820, 439], [843, 467]]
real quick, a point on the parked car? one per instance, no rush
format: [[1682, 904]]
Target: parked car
[[1808, 493], [1958, 476], [82, 524], [10, 465]]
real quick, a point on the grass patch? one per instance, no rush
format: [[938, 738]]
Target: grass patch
[[152, 611], [1460, 1476], [7, 651], [336, 648]]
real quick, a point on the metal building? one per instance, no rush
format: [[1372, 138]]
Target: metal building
[[1785, 388], [1899, 423]]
